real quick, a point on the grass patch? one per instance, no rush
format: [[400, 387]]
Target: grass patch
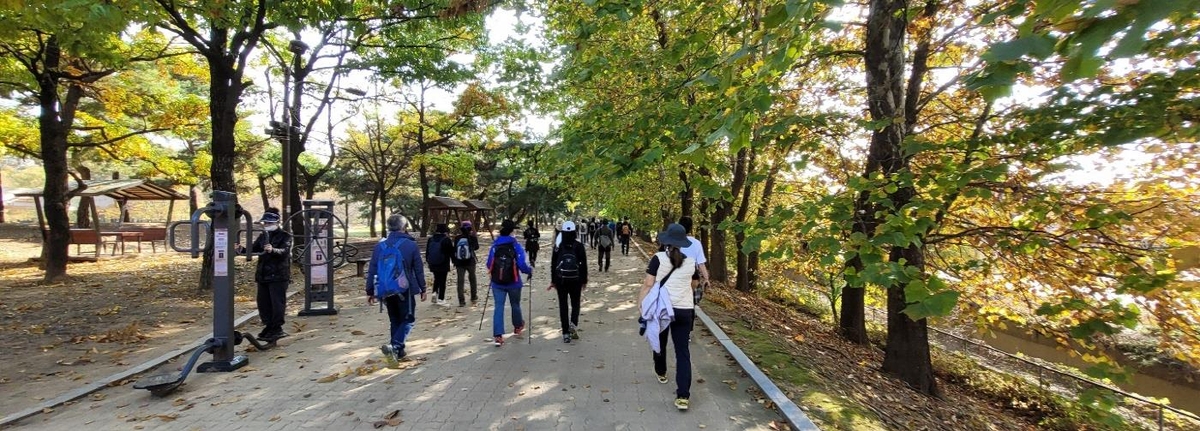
[[829, 410]]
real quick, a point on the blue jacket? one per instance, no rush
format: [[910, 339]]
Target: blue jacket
[[524, 266], [413, 266]]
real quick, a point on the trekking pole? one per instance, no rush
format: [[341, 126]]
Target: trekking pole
[[485, 304], [531, 289]]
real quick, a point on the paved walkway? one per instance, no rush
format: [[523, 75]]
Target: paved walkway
[[329, 375]]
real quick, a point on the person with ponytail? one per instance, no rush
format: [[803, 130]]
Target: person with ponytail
[[666, 292]]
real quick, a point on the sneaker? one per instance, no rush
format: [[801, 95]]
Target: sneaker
[[389, 353], [434, 301], [567, 338], [662, 379], [574, 332], [498, 341], [681, 403], [399, 352], [517, 330]]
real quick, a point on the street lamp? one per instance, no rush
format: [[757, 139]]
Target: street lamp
[[291, 131]]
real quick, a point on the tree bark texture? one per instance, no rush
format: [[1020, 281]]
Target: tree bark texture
[[907, 351], [53, 139]]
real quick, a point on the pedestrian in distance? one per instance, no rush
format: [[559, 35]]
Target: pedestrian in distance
[[624, 234], [569, 276], [505, 263], [531, 235], [667, 307], [438, 250], [272, 273], [395, 276], [605, 240], [465, 245]]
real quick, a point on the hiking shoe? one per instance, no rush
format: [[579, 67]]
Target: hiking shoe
[[389, 353], [567, 338], [517, 330], [662, 379], [574, 333], [681, 403], [498, 341]]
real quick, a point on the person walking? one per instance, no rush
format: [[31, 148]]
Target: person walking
[[397, 259], [569, 276], [605, 240], [438, 249], [531, 235], [465, 245], [624, 233], [669, 274], [273, 273], [505, 262]]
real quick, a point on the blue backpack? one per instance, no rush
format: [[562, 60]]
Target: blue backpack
[[392, 279]]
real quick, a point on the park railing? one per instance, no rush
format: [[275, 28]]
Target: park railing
[[1150, 413]]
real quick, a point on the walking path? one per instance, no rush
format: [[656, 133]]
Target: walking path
[[330, 375]]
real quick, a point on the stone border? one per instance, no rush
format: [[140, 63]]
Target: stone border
[[796, 417]]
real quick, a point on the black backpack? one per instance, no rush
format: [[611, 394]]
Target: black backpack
[[568, 264], [433, 252], [504, 264]]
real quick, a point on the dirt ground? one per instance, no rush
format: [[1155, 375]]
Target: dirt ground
[[109, 316]]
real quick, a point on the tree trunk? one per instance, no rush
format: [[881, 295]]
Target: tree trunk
[[1, 200], [371, 213], [718, 266], [764, 206], [53, 139], [83, 213], [687, 196], [224, 88], [702, 233], [907, 351], [262, 192], [193, 199], [852, 321], [743, 260]]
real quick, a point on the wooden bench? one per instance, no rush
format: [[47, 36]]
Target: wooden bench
[[80, 237], [152, 235]]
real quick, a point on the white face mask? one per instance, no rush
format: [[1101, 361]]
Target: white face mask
[[271, 227]]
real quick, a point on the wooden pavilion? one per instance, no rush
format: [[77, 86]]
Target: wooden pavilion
[[122, 191]]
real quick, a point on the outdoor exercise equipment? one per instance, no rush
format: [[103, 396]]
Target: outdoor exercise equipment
[[316, 245], [225, 215]]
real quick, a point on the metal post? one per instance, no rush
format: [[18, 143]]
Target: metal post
[[318, 268], [223, 212]]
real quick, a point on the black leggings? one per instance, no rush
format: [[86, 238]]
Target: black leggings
[[679, 329], [573, 291]]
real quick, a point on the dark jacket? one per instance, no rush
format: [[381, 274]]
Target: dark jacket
[[521, 264], [605, 231], [473, 241], [531, 238], [413, 267], [276, 266], [580, 255], [447, 246]]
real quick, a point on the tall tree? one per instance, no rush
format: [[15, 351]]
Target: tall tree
[[55, 53]]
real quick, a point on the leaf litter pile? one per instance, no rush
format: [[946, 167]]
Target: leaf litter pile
[[106, 317], [838, 369]]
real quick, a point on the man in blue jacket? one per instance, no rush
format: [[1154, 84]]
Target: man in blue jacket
[[402, 309], [505, 259]]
